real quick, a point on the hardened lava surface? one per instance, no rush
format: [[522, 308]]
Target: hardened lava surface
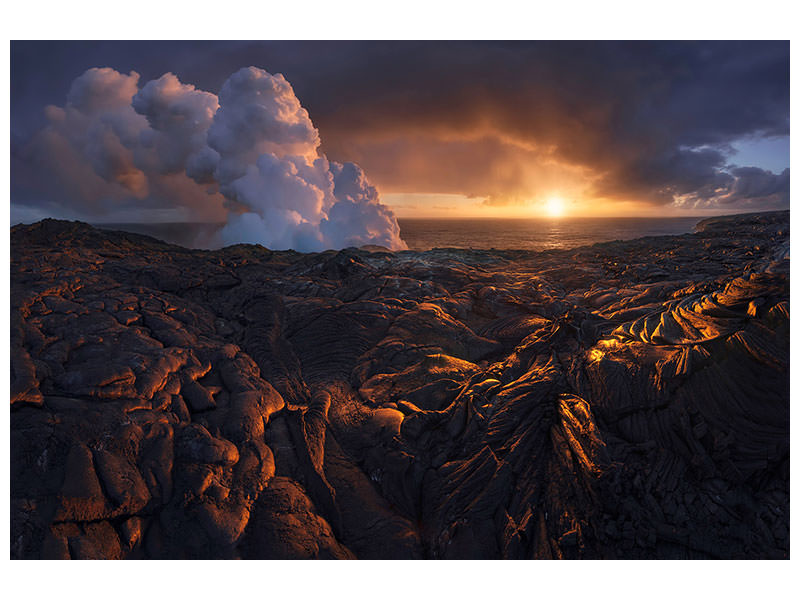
[[621, 400]]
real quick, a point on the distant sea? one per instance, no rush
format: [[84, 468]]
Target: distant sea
[[535, 234], [505, 234]]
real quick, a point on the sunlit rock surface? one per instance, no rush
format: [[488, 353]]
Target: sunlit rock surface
[[623, 400]]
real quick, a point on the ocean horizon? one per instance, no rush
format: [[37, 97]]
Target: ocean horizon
[[534, 234]]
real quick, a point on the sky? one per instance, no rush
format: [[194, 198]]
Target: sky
[[436, 129]]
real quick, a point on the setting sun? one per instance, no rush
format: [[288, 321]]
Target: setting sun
[[554, 207]]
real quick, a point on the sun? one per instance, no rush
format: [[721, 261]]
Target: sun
[[554, 206]]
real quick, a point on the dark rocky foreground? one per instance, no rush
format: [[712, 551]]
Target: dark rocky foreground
[[624, 400]]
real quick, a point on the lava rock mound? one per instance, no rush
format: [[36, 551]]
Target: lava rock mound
[[621, 400]]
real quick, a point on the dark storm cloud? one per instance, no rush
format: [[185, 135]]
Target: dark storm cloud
[[647, 121], [754, 186], [651, 119]]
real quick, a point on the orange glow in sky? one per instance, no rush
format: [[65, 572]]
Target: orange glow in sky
[[572, 205]]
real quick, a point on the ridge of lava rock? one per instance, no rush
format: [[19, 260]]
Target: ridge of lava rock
[[622, 400]]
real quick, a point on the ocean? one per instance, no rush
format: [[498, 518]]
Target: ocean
[[535, 234], [506, 234]]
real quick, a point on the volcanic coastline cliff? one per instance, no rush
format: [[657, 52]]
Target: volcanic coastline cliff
[[621, 400]]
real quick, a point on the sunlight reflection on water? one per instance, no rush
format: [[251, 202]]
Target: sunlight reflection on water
[[534, 234]]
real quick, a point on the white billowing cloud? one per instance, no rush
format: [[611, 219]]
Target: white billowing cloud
[[170, 144], [179, 117], [288, 183], [100, 124], [357, 218], [102, 89], [259, 114], [283, 193], [284, 228], [98, 157]]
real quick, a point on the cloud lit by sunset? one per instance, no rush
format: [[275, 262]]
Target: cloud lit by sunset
[[479, 129]]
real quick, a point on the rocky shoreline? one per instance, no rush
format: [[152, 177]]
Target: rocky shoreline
[[621, 400]]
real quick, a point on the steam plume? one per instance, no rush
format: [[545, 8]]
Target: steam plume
[[250, 155]]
